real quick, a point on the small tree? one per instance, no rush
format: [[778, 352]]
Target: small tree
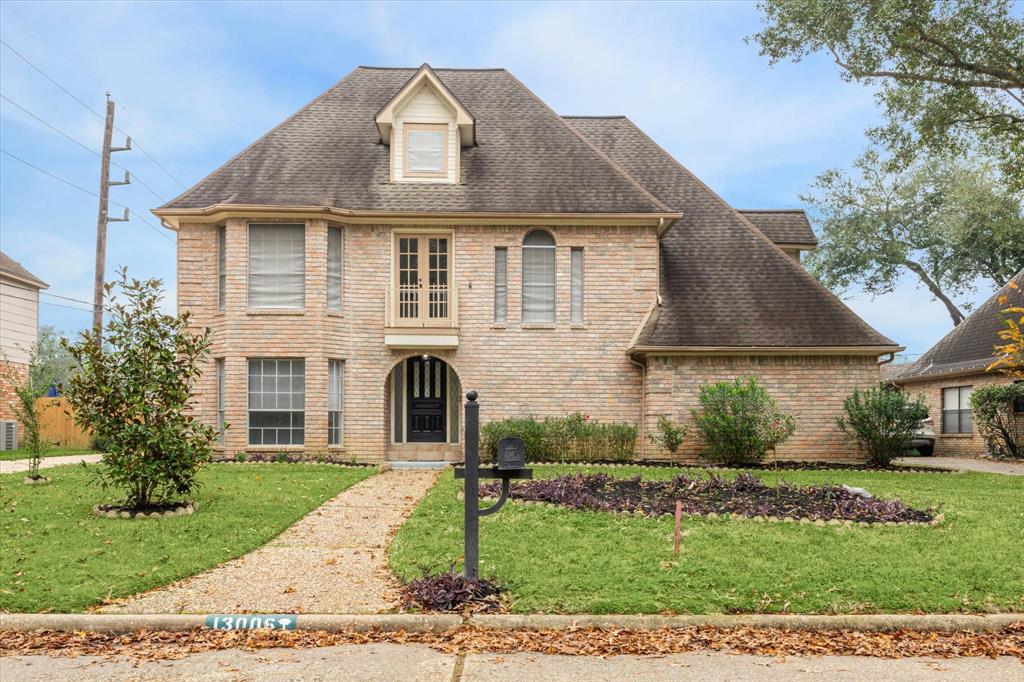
[[740, 421], [133, 389], [999, 417], [670, 435], [883, 421], [27, 391], [1009, 352]]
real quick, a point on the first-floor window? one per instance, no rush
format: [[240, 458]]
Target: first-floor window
[[220, 399], [956, 410], [1018, 404], [335, 401], [277, 402]]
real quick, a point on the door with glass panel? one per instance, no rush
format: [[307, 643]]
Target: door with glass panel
[[423, 287], [426, 394]]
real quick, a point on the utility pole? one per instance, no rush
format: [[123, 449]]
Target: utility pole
[[104, 218]]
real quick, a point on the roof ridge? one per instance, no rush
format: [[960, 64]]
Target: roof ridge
[[214, 173], [434, 68], [616, 167], [796, 267], [592, 116], [771, 210]]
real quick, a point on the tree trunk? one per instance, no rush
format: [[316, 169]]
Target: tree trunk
[[954, 312]]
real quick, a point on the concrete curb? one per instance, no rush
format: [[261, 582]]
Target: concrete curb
[[126, 623]]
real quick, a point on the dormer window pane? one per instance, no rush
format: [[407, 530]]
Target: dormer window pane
[[425, 151]]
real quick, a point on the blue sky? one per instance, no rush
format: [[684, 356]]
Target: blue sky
[[196, 82]]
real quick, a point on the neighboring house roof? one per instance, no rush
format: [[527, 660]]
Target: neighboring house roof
[[782, 225], [723, 283], [329, 154], [15, 270], [969, 346]]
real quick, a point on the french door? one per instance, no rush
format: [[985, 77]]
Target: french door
[[423, 292]]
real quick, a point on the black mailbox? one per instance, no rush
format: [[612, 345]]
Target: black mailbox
[[511, 454]]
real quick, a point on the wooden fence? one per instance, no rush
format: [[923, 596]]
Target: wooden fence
[[57, 425]]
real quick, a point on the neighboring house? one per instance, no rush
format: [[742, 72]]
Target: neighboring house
[[950, 372], [19, 327], [412, 234]]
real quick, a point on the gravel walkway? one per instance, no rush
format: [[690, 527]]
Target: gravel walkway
[[15, 466], [987, 466], [334, 560]]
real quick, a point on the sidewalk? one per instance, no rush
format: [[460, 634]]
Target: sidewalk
[[16, 466], [419, 662], [987, 466]]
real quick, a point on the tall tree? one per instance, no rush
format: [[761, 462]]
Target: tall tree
[[53, 362], [950, 72], [946, 221]]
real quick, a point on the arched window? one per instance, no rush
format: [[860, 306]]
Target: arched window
[[538, 277]]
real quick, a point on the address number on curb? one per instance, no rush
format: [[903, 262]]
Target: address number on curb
[[227, 622]]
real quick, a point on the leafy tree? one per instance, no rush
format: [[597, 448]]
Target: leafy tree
[[670, 435], [948, 222], [133, 389], [54, 362], [950, 74], [883, 421], [740, 421], [1010, 352], [27, 391], [999, 417]]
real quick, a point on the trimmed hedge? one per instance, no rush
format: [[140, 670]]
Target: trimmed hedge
[[572, 438]]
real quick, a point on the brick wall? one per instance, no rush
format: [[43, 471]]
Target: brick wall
[[810, 387], [953, 444], [517, 369], [10, 372]]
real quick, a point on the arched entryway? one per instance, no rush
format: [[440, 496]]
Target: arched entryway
[[424, 401]]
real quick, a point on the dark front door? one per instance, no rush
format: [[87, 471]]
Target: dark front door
[[426, 396]]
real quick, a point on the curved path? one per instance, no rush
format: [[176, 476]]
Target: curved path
[[334, 560]]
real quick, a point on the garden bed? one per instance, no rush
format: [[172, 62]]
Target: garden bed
[[782, 465], [745, 495]]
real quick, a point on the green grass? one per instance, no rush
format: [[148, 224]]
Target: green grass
[[55, 555], [53, 452], [562, 561]]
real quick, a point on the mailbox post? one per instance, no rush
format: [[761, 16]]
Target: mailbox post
[[511, 464]]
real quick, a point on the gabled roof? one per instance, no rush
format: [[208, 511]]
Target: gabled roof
[[723, 283], [426, 77], [15, 270], [970, 345], [782, 225], [328, 154]]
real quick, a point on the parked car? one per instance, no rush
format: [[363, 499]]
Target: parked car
[[924, 439]]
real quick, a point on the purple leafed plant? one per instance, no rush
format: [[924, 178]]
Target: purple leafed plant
[[745, 495], [451, 591]]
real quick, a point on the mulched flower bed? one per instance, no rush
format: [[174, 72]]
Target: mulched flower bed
[[145, 645], [451, 592], [745, 495]]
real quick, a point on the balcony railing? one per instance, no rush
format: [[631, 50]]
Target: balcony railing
[[421, 307]]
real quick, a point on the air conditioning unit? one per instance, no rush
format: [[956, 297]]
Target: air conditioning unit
[[8, 435]]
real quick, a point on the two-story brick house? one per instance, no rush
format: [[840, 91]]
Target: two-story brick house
[[411, 234]]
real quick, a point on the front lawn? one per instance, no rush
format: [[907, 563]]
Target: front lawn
[[21, 453], [557, 560], [56, 556]]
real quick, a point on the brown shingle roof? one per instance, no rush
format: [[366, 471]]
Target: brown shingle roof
[[969, 346], [723, 282], [12, 268], [782, 225], [527, 160]]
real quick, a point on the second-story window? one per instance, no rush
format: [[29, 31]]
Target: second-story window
[[538, 277], [576, 289], [425, 149], [334, 269], [222, 266], [501, 285], [277, 269]]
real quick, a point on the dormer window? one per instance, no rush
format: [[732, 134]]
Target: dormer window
[[425, 126], [426, 146]]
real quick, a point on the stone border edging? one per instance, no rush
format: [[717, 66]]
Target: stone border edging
[[180, 510], [126, 623]]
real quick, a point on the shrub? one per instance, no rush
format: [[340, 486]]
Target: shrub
[[451, 591], [740, 422], [883, 421], [131, 387], [999, 418], [669, 436], [572, 438], [27, 392]]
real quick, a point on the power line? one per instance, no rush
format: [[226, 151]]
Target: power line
[[93, 111], [69, 307], [87, 191], [135, 176]]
